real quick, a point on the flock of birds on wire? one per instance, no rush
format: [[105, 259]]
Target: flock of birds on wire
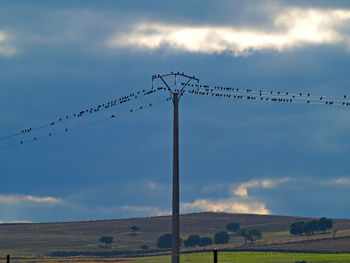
[[273, 96], [88, 112], [201, 90]]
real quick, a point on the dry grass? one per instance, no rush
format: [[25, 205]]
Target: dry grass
[[40, 239]]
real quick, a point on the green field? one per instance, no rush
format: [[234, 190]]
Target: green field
[[223, 257], [252, 257]]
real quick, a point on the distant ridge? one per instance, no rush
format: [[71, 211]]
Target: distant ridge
[[41, 239]]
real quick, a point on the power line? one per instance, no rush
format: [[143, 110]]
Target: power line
[[276, 93], [66, 130], [88, 111], [272, 96]]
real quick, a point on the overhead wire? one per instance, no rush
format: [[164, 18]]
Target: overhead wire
[[203, 90], [88, 111], [272, 96], [278, 93], [90, 123]]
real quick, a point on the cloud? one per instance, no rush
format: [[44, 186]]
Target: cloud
[[6, 49], [342, 181], [154, 186], [12, 199], [242, 189], [230, 205], [290, 28], [151, 210], [238, 202]]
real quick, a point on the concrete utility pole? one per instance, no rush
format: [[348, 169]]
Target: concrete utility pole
[[176, 94]]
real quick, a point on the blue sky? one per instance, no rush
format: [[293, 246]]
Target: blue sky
[[58, 57]]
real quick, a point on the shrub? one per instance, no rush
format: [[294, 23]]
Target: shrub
[[205, 241], [164, 241], [106, 240], [145, 247], [192, 240], [221, 237]]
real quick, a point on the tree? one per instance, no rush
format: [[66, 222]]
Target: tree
[[311, 227], [145, 247], [325, 224], [250, 234], [221, 237], [232, 227], [133, 230], [106, 240], [297, 228], [192, 240], [164, 241], [205, 241]]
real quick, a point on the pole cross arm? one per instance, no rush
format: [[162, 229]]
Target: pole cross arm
[[165, 80]]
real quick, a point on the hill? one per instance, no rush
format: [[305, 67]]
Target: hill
[[40, 239]]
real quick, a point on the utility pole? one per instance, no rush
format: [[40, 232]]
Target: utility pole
[[175, 95]]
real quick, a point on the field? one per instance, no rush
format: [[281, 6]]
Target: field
[[236, 257], [82, 238]]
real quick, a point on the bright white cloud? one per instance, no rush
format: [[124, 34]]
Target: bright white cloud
[[291, 27], [239, 202], [242, 189], [152, 210], [5, 48], [12, 199], [230, 205]]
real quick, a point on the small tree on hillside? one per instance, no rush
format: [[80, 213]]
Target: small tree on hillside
[[145, 247], [250, 234], [134, 229], [107, 240], [297, 228], [221, 237], [325, 224], [164, 241], [232, 227], [192, 240], [205, 241]]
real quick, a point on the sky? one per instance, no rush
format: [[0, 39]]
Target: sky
[[237, 156]]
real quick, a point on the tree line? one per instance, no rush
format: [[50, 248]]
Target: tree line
[[222, 237], [311, 227]]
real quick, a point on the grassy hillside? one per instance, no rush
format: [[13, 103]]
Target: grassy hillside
[[41, 239]]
